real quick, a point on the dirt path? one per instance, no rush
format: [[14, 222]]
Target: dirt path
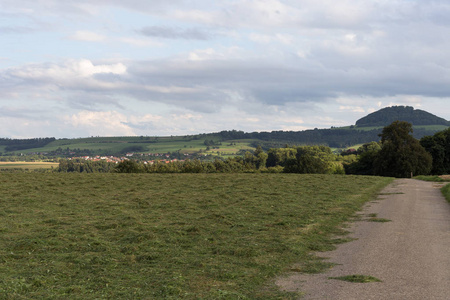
[[410, 254]]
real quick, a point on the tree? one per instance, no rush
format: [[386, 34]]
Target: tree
[[260, 157], [279, 156], [364, 165], [255, 160], [438, 146], [310, 160], [401, 155], [128, 166]]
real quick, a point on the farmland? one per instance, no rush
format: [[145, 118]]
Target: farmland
[[224, 144], [27, 165], [122, 145], [172, 236]]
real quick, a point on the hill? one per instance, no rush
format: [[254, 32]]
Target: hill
[[386, 116], [230, 142]]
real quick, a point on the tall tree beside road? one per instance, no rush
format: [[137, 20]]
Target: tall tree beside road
[[438, 146], [401, 155]]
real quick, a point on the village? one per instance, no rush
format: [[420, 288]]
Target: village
[[159, 158]]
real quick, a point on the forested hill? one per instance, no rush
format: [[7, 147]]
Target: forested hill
[[387, 115], [366, 130]]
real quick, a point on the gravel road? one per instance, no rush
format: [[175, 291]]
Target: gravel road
[[410, 254]]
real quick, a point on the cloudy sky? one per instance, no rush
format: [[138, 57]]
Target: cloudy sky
[[158, 67]]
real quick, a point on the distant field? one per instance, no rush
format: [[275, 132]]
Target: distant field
[[149, 144], [187, 144], [27, 165], [168, 236]]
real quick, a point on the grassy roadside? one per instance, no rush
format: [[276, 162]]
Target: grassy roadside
[[446, 192], [433, 178], [171, 236]]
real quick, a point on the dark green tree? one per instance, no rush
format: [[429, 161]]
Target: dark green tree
[[401, 155], [438, 146], [279, 156], [128, 166], [255, 160], [310, 160], [260, 157], [364, 165]]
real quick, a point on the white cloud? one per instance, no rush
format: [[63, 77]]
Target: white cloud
[[352, 108], [266, 39], [203, 54], [88, 36], [241, 64], [105, 123], [211, 54], [261, 38], [70, 69], [140, 42]]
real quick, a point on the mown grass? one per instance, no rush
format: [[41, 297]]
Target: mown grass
[[27, 165], [446, 192], [149, 144], [167, 236], [432, 178]]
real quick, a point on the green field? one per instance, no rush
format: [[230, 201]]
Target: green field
[[168, 236], [184, 144], [223, 145], [27, 165]]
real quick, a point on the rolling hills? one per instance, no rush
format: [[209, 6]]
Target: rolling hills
[[232, 142]]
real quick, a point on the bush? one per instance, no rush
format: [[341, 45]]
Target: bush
[[310, 160], [128, 166]]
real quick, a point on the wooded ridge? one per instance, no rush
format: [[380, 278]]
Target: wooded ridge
[[366, 129]]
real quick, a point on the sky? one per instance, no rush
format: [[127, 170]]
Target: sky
[[85, 68]]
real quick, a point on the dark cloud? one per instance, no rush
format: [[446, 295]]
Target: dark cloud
[[270, 83], [166, 32]]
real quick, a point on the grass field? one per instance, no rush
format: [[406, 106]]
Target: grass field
[[184, 144], [27, 165], [168, 236], [434, 178]]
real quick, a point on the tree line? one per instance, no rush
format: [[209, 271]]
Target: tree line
[[22, 144], [303, 159], [334, 137], [397, 154]]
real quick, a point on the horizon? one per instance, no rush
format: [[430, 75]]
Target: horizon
[[200, 133], [159, 68]]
